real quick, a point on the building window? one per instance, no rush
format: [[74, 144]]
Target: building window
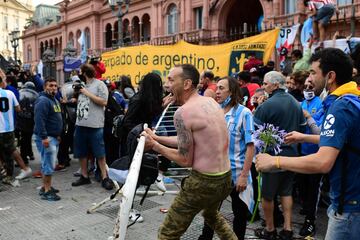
[[289, 6], [71, 39], [29, 54], [87, 39], [172, 19], [198, 17], [343, 2], [5, 24], [16, 24]]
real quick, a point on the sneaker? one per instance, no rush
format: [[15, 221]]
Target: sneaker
[[42, 190], [285, 235], [60, 168], [50, 196], [37, 174], [77, 173], [265, 234], [24, 174], [278, 222], [7, 180], [160, 183], [81, 181], [135, 216], [107, 184], [307, 229]]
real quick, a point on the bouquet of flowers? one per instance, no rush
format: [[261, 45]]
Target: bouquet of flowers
[[267, 138]]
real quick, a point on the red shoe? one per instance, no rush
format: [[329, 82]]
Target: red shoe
[[37, 174], [60, 168]]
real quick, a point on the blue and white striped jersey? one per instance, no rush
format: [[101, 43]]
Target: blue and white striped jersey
[[8, 103]]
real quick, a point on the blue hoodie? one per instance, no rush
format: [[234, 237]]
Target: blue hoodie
[[48, 118]]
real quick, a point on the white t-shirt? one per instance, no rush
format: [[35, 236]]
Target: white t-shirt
[[317, 4], [90, 114], [8, 102]]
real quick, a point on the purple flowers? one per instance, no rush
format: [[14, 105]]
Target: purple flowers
[[266, 139], [269, 138]]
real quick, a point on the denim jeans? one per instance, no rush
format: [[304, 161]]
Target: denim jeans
[[344, 226], [48, 155]]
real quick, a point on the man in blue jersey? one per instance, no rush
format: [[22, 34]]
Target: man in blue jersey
[[338, 141], [8, 103], [309, 184]]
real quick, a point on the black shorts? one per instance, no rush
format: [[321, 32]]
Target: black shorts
[[279, 183]]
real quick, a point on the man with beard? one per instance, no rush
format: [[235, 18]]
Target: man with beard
[[198, 120], [48, 128], [338, 152]]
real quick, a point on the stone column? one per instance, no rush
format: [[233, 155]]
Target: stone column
[[188, 16], [154, 21], [160, 22], [182, 16], [205, 14], [140, 31]]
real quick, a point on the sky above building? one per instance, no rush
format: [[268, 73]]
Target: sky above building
[[48, 2]]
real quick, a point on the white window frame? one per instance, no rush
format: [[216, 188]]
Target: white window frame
[[343, 2], [290, 6], [198, 17], [172, 19]]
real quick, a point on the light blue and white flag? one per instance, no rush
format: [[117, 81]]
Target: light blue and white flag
[[82, 42], [40, 68]]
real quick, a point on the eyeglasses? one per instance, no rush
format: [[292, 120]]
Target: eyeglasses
[[310, 87]]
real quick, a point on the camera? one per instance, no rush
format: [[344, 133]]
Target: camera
[[77, 85], [94, 60]]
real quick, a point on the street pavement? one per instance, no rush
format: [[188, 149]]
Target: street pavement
[[23, 215]]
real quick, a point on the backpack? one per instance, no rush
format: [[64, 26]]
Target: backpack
[[149, 168], [113, 111]]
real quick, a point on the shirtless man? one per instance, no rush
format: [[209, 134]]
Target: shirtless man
[[202, 143], [208, 86]]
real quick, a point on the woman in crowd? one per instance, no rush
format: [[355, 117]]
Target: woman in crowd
[[125, 87], [144, 107]]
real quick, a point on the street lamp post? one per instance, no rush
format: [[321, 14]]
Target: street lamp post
[[14, 40], [119, 14]]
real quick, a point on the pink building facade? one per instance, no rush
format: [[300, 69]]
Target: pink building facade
[[167, 21]]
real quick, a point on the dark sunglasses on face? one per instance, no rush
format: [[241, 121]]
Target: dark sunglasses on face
[[310, 87]]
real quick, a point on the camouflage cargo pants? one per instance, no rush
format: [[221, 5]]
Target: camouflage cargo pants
[[7, 147], [198, 192]]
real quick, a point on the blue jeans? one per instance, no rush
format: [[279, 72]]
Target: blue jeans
[[89, 140], [48, 155], [345, 226]]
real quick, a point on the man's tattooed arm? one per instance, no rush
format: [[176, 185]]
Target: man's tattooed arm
[[183, 156], [184, 135]]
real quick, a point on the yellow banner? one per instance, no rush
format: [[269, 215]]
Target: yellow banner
[[222, 59]]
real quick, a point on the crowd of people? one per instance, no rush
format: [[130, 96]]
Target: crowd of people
[[317, 104]]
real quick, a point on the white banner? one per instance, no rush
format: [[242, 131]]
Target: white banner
[[286, 39]]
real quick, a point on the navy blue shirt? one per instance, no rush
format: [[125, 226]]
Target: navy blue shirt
[[48, 118], [283, 111], [341, 126]]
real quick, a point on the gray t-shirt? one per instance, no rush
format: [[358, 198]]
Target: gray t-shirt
[[88, 113]]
